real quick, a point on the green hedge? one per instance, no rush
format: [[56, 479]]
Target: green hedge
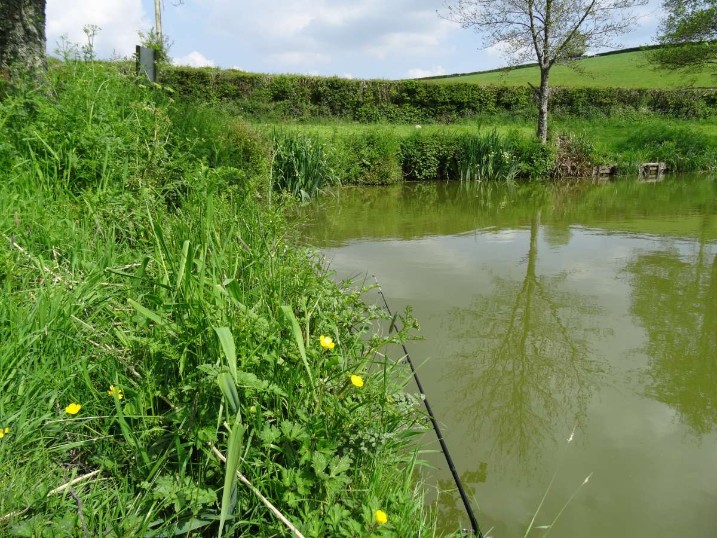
[[413, 101]]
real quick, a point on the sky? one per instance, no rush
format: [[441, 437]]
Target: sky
[[391, 39]]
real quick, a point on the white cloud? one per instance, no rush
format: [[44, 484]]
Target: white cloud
[[119, 21], [304, 33], [298, 58], [422, 73], [194, 59]]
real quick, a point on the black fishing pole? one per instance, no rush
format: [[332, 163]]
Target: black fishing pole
[[436, 428]]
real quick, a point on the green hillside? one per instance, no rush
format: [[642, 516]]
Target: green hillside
[[623, 70]]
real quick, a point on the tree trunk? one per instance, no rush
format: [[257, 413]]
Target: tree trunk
[[158, 21], [543, 96], [22, 36]]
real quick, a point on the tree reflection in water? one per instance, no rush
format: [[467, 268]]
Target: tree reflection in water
[[526, 372], [675, 300]]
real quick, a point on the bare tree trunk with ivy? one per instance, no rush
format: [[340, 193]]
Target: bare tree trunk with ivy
[[22, 37], [546, 31]]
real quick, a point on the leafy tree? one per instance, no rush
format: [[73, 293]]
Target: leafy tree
[[690, 33], [22, 36], [549, 31]]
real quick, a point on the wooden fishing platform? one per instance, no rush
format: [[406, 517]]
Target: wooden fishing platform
[[604, 170], [652, 169]]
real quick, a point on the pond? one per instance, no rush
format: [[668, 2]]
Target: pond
[[552, 313]]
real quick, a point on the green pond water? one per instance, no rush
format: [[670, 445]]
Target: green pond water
[[548, 313]]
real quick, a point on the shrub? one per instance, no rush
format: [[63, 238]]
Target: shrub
[[371, 158], [427, 157], [217, 137]]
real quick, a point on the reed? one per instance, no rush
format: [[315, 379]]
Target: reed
[[300, 165], [486, 157]]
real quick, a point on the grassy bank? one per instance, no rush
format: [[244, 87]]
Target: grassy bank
[[156, 313], [325, 130], [497, 148]]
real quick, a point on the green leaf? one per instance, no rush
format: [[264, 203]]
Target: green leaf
[[128, 434], [226, 339], [189, 525], [230, 477], [182, 264], [298, 337], [229, 389], [146, 312], [340, 465]]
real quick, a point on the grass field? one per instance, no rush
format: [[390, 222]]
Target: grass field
[[624, 70]]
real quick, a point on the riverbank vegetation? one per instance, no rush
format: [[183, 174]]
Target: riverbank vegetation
[[387, 131], [157, 314]]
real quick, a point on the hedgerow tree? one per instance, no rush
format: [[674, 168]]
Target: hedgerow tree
[[22, 36], [690, 32], [549, 31]]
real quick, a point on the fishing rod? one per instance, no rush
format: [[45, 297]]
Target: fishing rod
[[444, 448]]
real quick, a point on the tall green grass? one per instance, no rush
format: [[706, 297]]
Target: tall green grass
[[486, 157], [299, 164], [145, 278]]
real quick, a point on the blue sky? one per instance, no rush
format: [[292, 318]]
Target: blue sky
[[352, 38]]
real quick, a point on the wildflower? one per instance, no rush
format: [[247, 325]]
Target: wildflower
[[4, 432], [326, 342], [116, 391], [357, 381], [73, 408], [381, 517]]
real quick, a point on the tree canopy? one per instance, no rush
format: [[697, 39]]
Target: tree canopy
[[689, 32]]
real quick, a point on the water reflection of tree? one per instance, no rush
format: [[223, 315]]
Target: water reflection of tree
[[527, 372], [448, 504], [675, 300]]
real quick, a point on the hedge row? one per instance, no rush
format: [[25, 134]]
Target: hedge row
[[413, 101]]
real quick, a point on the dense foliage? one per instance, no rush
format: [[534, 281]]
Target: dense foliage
[[690, 32], [412, 101], [156, 313]]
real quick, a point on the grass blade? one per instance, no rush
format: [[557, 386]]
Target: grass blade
[[226, 339], [299, 338], [229, 389], [230, 476]]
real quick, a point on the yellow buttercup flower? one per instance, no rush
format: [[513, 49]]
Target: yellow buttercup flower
[[73, 408], [116, 391], [4, 432], [326, 342], [357, 381], [381, 517]]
